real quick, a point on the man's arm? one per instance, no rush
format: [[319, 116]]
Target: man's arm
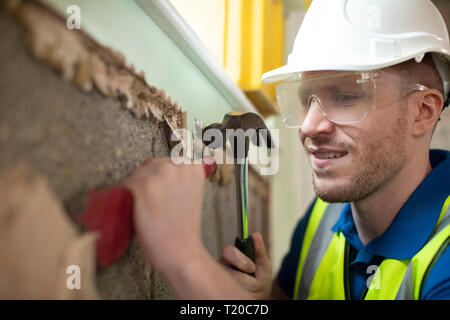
[[201, 277], [167, 219], [262, 286], [238, 266]]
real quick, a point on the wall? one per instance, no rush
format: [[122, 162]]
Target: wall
[[80, 140], [132, 28]]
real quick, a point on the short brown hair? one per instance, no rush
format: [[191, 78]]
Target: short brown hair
[[424, 73]]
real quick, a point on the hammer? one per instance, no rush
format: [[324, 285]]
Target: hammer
[[247, 127]]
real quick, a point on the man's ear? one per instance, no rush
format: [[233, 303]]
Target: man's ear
[[428, 107]]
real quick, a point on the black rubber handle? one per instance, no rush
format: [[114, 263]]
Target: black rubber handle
[[246, 247]]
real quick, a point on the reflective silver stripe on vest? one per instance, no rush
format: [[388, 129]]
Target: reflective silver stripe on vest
[[405, 292], [318, 247], [406, 288]]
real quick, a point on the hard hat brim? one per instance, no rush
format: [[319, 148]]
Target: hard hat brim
[[288, 71], [359, 64]]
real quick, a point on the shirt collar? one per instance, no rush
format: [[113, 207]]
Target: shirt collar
[[413, 224]]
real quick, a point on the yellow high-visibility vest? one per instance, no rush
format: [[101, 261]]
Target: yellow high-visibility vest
[[322, 271]]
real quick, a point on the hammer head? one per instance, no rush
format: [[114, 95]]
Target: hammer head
[[249, 122]]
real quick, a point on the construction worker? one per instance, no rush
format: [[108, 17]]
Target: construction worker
[[364, 86]]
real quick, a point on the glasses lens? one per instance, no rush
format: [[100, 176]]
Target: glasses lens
[[341, 97]]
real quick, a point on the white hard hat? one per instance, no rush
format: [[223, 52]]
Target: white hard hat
[[363, 35]]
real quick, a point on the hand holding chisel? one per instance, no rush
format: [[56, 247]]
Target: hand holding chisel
[[110, 213]]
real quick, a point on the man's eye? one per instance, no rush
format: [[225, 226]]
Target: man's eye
[[304, 99], [347, 98]]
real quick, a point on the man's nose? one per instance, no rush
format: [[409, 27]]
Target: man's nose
[[315, 122]]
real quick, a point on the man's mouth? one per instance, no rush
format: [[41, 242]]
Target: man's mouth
[[329, 155], [325, 157]]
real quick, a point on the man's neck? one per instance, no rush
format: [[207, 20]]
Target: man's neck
[[375, 213]]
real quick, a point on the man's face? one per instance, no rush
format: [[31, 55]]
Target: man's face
[[366, 155]]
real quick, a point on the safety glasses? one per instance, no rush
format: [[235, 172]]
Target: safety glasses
[[342, 97]]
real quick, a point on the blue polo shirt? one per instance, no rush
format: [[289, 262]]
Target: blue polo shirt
[[409, 231]]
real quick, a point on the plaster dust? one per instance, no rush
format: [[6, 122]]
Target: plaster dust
[[79, 140], [90, 65]]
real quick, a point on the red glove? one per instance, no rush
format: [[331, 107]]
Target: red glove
[[110, 213]]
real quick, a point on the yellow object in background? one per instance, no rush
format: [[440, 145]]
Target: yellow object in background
[[245, 36], [307, 4], [256, 47]]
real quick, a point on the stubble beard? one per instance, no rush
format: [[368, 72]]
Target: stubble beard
[[382, 159]]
